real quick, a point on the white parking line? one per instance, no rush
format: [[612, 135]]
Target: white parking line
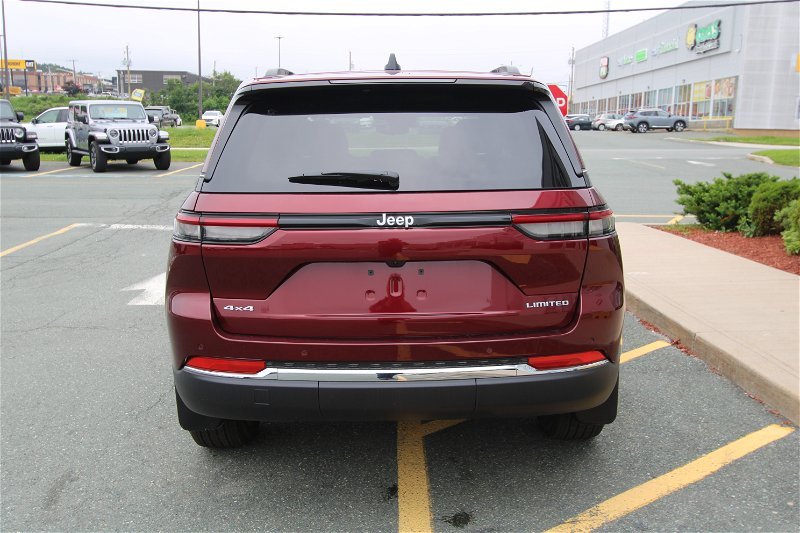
[[700, 163]]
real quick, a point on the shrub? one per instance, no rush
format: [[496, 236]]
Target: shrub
[[769, 198], [723, 203], [789, 218]]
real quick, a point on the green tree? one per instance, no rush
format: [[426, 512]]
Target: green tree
[[183, 98]]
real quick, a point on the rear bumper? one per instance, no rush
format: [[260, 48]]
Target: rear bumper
[[275, 399]]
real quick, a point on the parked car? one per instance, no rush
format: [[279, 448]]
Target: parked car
[[49, 127], [464, 269], [642, 120], [16, 141], [113, 129], [213, 118], [608, 121], [163, 116], [578, 122]]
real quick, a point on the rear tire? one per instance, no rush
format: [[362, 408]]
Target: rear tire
[[97, 158], [619, 127], [73, 159], [601, 127], [229, 434], [577, 127], [32, 160], [568, 427], [163, 160]]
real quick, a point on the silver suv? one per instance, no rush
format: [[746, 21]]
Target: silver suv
[[642, 120], [113, 129]]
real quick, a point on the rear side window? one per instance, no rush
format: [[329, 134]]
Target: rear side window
[[436, 138]]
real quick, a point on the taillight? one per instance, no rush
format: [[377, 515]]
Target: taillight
[[565, 226], [219, 230], [601, 223], [550, 362], [233, 366]]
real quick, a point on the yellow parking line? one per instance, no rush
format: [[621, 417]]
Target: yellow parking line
[[413, 486], [655, 489], [675, 220], [49, 172], [638, 352], [179, 170], [37, 239], [413, 492]]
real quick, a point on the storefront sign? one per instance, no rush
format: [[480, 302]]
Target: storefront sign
[[603, 67], [625, 60], [665, 46], [702, 39], [641, 55]]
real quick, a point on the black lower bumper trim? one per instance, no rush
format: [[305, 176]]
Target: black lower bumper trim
[[253, 399]]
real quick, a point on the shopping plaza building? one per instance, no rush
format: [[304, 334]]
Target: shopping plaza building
[[730, 66]]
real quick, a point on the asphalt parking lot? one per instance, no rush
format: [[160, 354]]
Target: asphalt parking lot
[[89, 438]]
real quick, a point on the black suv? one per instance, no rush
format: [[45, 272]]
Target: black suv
[[15, 141]]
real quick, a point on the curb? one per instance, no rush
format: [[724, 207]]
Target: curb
[[747, 378], [761, 159]]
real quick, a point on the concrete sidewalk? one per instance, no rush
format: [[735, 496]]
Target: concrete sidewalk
[[741, 317]]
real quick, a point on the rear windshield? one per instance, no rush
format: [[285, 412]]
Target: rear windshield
[[434, 138]]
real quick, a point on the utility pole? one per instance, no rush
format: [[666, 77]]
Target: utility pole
[[605, 19], [279, 37], [214, 75], [571, 74], [199, 68], [6, 71], [127, 63], [74, 74]]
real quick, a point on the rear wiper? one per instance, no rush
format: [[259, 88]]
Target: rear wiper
[[382, 181]]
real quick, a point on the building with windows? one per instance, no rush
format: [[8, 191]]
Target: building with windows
[[152, 81], [729, 66]]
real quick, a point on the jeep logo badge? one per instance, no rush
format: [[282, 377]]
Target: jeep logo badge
[[398, 220]]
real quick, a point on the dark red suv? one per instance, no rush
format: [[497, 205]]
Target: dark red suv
[[394, 245]]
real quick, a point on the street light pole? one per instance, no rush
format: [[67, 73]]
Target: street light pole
[[199, 68], [6, 71], [279, 37]]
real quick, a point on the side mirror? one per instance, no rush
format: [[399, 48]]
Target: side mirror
[[34, 121], [20, 115], [151, 118]]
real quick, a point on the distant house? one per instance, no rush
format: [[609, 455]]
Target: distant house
[[152, 81]]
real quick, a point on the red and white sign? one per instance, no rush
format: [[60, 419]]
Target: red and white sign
[[560, 98]]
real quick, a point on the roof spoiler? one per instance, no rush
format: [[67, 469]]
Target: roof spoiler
[[506, 69]]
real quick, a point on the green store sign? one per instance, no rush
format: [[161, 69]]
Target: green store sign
[[701, 39]]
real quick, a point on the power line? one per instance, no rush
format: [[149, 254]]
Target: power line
[[375, 14]]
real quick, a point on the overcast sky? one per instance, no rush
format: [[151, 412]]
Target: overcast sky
[[96, 36]]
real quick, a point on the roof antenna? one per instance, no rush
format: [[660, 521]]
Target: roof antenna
[[392, 64]]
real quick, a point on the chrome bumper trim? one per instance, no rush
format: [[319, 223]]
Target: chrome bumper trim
[[394, 375]]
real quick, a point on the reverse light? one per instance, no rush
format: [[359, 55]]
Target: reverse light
[[234, 366], [561, 226], [219, 230], [550, 362]]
